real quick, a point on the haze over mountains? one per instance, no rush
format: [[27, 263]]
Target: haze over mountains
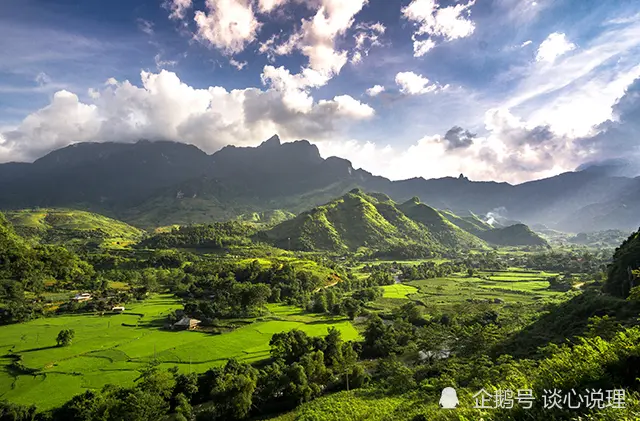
[[161, 183]]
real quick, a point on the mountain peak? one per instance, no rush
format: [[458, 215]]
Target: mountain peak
[[271, 142]]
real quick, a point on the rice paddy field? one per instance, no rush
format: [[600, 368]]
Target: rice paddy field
[[398, 291], [113, 348], [515, 285]]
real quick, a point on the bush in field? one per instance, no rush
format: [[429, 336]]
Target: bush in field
[[65, 337]]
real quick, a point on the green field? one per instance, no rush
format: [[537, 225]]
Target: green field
[[111, 349], [508, 286], [398, 291]]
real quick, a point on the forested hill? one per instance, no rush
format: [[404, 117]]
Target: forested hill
[[624, 272], [358, 220], [72, 228], [161, 183]]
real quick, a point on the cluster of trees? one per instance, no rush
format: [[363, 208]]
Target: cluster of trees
[[213, 290], [216, 236], [26, 268], [569, 261]]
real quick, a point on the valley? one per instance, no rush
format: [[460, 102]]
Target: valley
[[299, 292]]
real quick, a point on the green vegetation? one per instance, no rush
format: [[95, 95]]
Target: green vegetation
[[514, 235], [398, 291], [446, 232], [623, 272], [211, 322], [357, 220], [213, 236], [73, 228], [114, 348]]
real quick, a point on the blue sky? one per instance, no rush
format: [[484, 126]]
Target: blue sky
[[509, 90]]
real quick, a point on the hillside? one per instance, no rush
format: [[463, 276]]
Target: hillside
[[266, 218], [447, 234], [471, 223], [64, 226], [624, 272], [513, 235], [373, 221], [150, 184]]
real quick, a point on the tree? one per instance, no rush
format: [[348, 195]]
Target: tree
[[65, 337]]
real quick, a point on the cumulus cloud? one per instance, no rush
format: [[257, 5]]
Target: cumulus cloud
[[164, 107], [510, 151], [228, 25], [317, 35], [618, 137], [178, 8], [447, 23], [414, 84], [421, 48], [267, 6], [375, 90], [554, 46]]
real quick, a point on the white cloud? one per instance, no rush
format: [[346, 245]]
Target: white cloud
[[448, 23], [367, 36], [228, 25], [166, 108], [421, 48], [267, 6], [178, 8], [317, 35], [510, 151], [347, 106], [375, 90], [577, 92], [237, 64], [553, 47], [414, 84], [524, 44]]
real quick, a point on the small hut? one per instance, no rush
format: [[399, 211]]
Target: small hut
[[186, 323]]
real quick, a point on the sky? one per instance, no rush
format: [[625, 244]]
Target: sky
[[505, 90]]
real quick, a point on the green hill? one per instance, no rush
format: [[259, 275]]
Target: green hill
[[472, 223], [12, 249], [445, 232], [513, 235], [624, 271], [72, 227], [373, 221], [267, 217]]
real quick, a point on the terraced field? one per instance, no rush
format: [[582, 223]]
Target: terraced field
[[111, 349]]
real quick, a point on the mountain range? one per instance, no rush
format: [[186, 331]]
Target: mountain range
[[150, 184]]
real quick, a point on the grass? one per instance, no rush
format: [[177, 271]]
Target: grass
[[66, 226], [398, 291], [111, 349]]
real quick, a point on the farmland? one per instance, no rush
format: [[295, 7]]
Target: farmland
[[112, 349], [507, 286]]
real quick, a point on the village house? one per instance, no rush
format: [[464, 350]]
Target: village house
[[186, 323], [117, 309], [85, 296]]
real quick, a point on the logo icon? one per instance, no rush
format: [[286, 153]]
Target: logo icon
[[449, 398]]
